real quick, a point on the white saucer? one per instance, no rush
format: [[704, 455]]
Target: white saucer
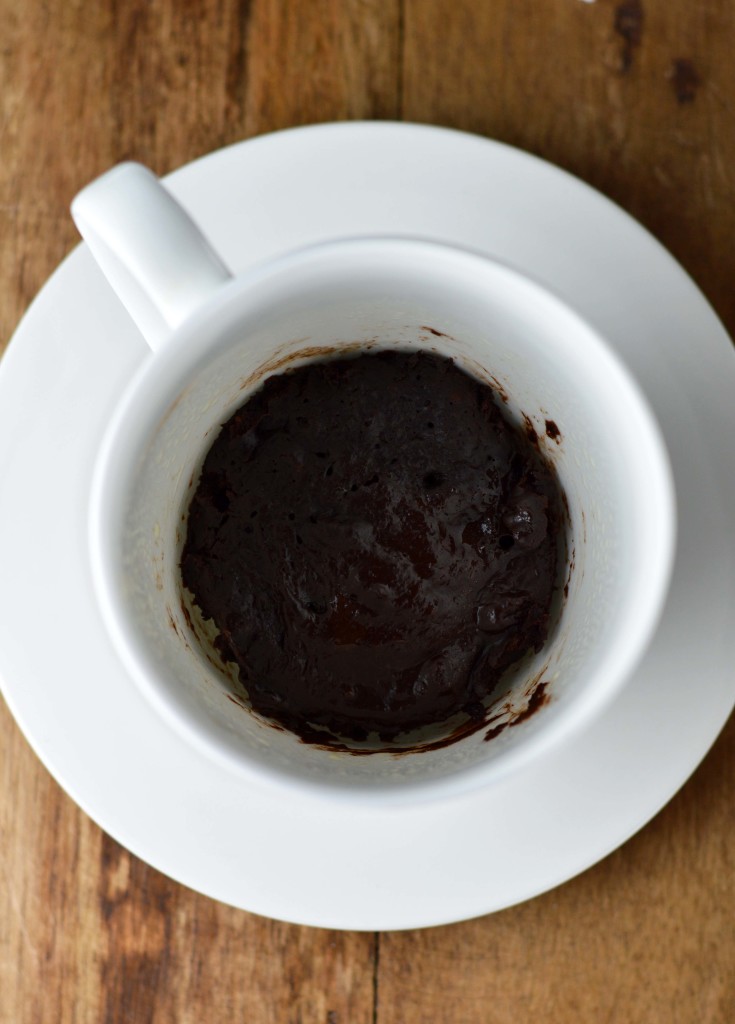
[[298, 859]]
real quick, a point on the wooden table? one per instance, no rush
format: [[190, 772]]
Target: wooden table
[[635, 96]]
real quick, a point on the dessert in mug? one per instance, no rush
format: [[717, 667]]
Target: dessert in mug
[[376, 545]]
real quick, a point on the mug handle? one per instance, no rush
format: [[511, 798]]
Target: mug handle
[[150, 250]]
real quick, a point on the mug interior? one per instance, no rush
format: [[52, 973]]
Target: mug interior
[[556, 377]]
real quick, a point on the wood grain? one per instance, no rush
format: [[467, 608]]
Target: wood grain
[[90, 933], [84, 86], [644, 936], [634, 96]]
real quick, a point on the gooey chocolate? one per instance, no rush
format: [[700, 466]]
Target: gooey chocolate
[[375, 543]]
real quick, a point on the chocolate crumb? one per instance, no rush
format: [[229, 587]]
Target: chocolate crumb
[[553, 431]]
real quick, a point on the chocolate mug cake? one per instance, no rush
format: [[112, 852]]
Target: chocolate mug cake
[[375, 543]]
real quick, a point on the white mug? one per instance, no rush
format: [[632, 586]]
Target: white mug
[[215, 337]]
